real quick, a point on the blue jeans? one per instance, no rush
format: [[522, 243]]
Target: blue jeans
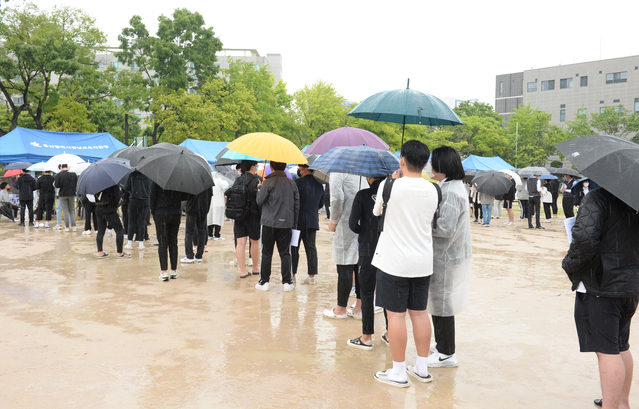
[[487, 210]]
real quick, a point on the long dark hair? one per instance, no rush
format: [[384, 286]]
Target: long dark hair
[[446, 160]]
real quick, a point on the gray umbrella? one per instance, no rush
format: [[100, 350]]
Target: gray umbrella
[[469, 175], [132, 153], [532, 170], [175, 168], [492, 182], [103, 174], [565, 171]]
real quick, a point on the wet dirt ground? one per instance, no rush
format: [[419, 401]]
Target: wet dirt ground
[[78, 332]]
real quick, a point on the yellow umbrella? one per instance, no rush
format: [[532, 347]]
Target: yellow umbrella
[[268, 146]]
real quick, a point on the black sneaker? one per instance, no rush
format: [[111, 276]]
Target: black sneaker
[[540, 228], [385, 339]]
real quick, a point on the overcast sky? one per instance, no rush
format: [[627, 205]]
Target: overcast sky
[[446, 48]]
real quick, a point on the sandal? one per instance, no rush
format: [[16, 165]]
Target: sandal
[[124, 255], [247, 275], [255, 273], [105, 255]]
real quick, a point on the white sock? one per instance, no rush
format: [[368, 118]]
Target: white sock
[[398, 373], [421, 366], [129, 243], [141, 245]]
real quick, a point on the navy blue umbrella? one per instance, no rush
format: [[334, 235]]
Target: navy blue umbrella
[[356, 160], [18, 165], [103, 174]]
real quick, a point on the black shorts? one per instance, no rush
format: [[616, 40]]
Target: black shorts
[[603, 324], [508, 204], [249, 227], [397, 294]]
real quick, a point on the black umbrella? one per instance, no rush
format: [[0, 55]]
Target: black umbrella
[[565, 171], [6, 211], [532, 170], [469, 175], [132, 153], [610, 161], [175, 168], [492, 182], [18, 165], [102, 174]]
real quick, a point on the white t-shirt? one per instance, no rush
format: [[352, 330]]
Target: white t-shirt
[[405, 247]]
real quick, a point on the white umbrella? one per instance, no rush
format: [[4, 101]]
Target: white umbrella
[[78, 168], [41, 167], [515, 176], [63, 158]]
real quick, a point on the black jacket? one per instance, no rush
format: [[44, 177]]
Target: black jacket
[[604, 252], [280, 201], [311, 200], [45, 185], [511, 193], [138, 187], [199, 204], [107, 200], [26, 184], [165, 201], [363, 222], [67, 182]]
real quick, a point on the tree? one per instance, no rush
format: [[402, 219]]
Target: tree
[[531, 137], [580, 126], [471, 108], [615, 121], [181, 56], [484, 136], [317, 109], [69, 115], [38, 47]]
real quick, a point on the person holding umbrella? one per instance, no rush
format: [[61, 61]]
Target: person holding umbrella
[[533, 185], [26, 184], [106, 210], [568, 200], [486, 202], [46, 198], [166, 208], [67, 182]]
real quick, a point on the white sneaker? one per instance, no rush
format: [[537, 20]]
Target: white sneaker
[[309, 281], [547, 220], [174, 275], [86, 232], [353, 293], [187, 260], [263, 287], [57, 227], [378, 310], [109, 232], [438, 360], [218, 238], [66, 229], [289, 287], [36, 226], [198, 260], [249, 262], [42, 225], [164, 276], [128, 246], [46, 225], [141, 246], [234, 263], [74, 229]]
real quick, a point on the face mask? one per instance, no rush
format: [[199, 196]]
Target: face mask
[[586, 184], [299, 175]]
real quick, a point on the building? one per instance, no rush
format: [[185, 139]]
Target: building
[[566, 90], [273, 61]]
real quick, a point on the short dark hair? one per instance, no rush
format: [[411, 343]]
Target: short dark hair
[[446, 160], [278, 165], [63, 165], [3, 185], [246, 165], [416, 155]]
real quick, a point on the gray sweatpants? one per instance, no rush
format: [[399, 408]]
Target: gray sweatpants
[[67, 204]]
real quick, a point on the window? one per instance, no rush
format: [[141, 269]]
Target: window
[[562, 106], [548, 85], [501, 89], [565, 83], [616, 77], [18, 100], [118, 102], [582, 111], [583, 81], [116, 64], [601, 102], [532, 87], [562, 115], [99, 66], [601, 110], [637, 105], [614, 101], [134, 66]]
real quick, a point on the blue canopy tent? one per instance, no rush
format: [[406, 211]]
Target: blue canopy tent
[[479, 163], [32, 145], [208, 149]]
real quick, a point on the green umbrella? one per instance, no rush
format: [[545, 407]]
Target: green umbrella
[[406, 106]]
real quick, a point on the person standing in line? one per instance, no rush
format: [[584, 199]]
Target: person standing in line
[[546, 198], [26, 185], [582, 191], [452, 255], [67, 183], [311, 200], [197, 207], [479, 211], [364, 223], [497, 205], [215, 216], [509, 199], [486, 201], [166, 208], [522, 196], [89, 213], [567, 202], [327, 201], [45, 186], [554, 189], [404, 261], [603, 268], [344, 187], [138, 187], [106, 210], [533, 185], [280, 203], [249, 227]]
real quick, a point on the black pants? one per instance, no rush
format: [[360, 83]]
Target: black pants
[[29, 205], [366, 280], [523, 205], [307, 236], [534, 206], [547, 210], [195, 234], [45, 204], [568, 204], [214, 230], [444, 328], [345, 282], [137, 210], [327, 205], [89, 213], [479, 213], [554, 202], [166, 230], [270, 236], [113, 221]]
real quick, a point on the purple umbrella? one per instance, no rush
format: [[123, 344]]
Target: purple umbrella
[[346, 136]]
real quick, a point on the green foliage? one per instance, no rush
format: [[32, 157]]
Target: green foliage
[[615, 121], [483, 136], [580, 126], [69, 115], [556, 164], [470, 108], [37, 44]]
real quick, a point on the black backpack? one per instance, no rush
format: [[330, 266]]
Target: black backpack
[[238, 204], [388, 186]]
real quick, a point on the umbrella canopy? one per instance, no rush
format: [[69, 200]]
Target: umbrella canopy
[[565, 171], [356, 160], [63, 158], [5, 210], [227, 157], [532, 170], [577, 185], [346, 136], [610, 161], [548, 176], [78, 168], [103, 174], [406, 106], [132, 153], [12, 173], [268, 146], [512, 174], [469, 175], [175, 168], [40, 167], [18, 165], [492, 182]]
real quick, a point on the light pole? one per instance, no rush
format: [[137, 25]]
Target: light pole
[[516, 138]]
